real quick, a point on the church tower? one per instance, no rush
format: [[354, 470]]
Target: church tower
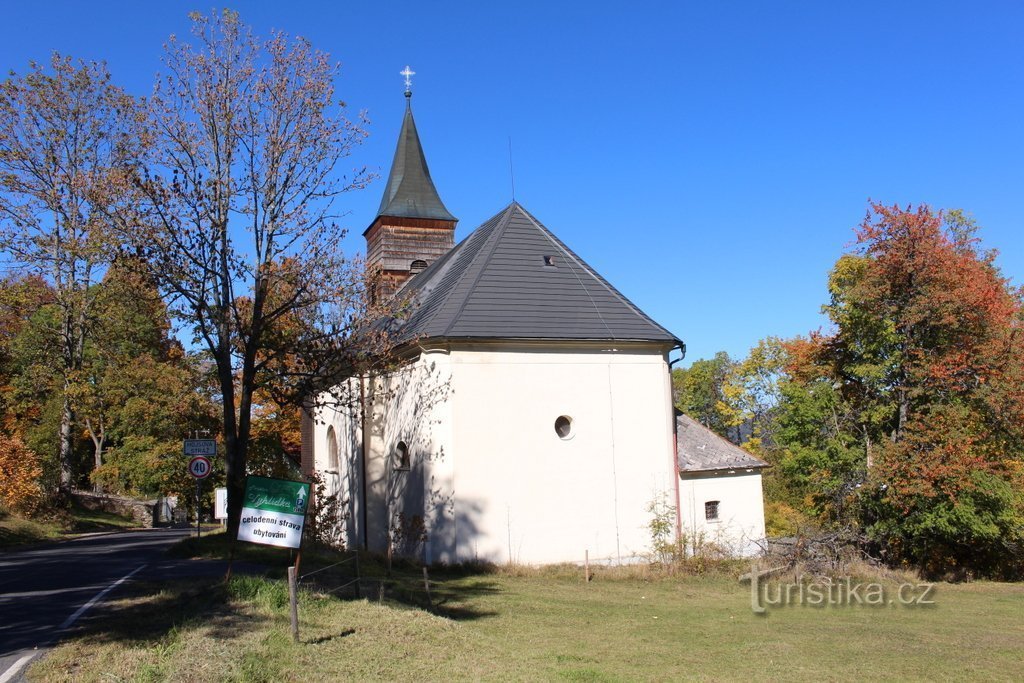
[[412, 228]]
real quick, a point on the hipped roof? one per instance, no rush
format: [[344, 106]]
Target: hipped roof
[[512, 279], [699, 449]]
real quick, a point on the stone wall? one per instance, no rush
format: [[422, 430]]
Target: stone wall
[[144, 512]]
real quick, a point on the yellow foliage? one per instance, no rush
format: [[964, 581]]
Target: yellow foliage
[[781, 519], [19, 477]]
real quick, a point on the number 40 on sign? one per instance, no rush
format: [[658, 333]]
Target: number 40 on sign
[[199, 467]]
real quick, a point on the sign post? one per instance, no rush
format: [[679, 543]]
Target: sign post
[[220, 504], [200, 468], [273, 513]]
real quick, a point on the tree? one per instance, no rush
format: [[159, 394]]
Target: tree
[[136, 381], [929, 338], [709, 391], [237, 189], [65, 136], [909, 417]]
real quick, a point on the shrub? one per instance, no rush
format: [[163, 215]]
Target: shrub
[[20, 473]]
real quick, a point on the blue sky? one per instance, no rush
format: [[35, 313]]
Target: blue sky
[[709, 159]]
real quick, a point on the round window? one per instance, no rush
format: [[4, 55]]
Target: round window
[[563, 427]]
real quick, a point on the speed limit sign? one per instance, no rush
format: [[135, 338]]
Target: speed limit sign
[[199, 467]]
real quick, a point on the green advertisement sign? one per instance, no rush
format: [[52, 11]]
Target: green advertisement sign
[[273, 512]]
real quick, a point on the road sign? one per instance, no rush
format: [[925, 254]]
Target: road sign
[[220, 503], [199, 467], [207, 447], [273, 512]]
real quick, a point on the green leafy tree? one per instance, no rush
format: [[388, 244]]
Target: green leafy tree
[[66, 134], [710, 392]]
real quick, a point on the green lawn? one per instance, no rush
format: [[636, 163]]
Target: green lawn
[[545, 625]]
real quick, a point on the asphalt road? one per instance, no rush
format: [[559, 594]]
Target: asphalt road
[[45, 589]]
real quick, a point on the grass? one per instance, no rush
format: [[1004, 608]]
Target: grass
[[16, 531], [536, 625]]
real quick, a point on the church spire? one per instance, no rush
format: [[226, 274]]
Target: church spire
[[410, 192], [412, 228]]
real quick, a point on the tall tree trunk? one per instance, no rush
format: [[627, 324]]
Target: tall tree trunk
[[98, 441], [66, 452], [234, 460], [870, 458], [902, 420]]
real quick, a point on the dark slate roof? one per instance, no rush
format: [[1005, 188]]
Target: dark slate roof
[[700, 449], [410, 193], [512, 278]]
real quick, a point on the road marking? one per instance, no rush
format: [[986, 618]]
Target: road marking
[[16, 667], [99, 596]]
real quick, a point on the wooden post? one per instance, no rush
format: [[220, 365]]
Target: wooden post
[[359, 578], [586, 566], [231, 561], [426, 586], [293, 599]]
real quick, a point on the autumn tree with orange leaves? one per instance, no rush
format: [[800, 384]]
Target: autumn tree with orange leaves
[[67, 134], [909, 418]]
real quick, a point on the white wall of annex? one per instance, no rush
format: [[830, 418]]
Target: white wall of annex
[[525, 495], [740, 526]]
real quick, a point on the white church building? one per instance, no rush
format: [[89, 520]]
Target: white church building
[[530, 418]]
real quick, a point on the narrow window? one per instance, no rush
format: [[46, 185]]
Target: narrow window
[[563, 427], [711, 510], [401, 456], [332, 450]]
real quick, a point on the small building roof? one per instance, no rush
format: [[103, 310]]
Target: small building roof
[[512, 279], [700, 450], [410, 193]]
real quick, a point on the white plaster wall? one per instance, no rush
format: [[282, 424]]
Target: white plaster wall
[[410, 405], [494, 479], [739, 529], [522, 494], [340, 411]]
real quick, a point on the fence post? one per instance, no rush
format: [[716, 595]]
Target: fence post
[[293, 599]]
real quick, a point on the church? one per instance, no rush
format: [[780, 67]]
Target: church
[[529, 418]]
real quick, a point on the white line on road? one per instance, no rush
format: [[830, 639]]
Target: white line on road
[[99, 596], [16, 668]]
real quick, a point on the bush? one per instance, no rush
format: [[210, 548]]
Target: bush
[[20, 473]]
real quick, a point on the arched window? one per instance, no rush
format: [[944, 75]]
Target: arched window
[[417, 266], [332, 451], [401, 456]]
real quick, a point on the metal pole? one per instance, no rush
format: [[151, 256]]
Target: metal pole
[[199, 484]]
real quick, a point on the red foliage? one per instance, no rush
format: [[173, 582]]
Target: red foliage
[[956, 348]]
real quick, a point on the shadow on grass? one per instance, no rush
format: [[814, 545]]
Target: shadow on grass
[[343, 576], [451, 598], [326, 639], [148, 612]]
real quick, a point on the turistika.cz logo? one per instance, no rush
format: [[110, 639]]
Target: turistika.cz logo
[[832, 592]]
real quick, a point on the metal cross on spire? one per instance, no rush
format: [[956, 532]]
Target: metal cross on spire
[[408, 73]]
